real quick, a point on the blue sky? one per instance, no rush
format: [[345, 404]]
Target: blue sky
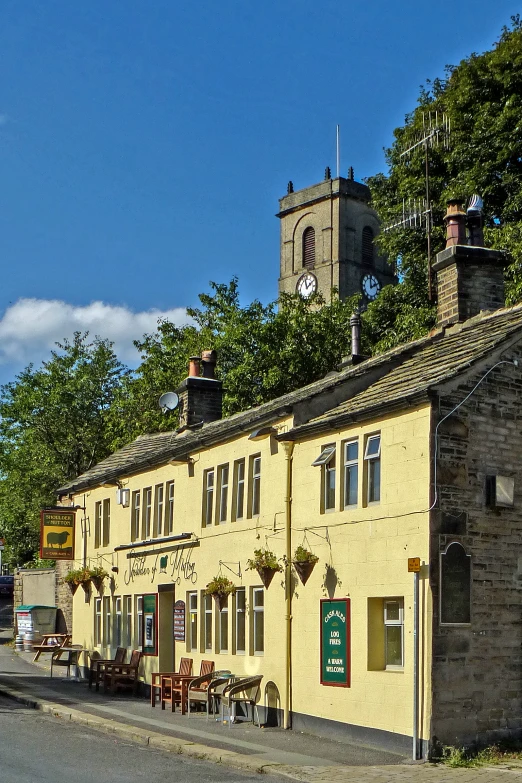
[[144, 145]]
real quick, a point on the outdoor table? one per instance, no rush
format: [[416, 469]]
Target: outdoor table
[[170, 680], [50, 642]]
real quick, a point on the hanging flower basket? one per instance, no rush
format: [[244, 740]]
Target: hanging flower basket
[[220, 588], [304, 562], [266, 564], [77, 577], [98, 575], [73, 586], [86, 585]]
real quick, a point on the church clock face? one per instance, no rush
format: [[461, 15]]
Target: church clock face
[[370, 286], [306, 285]]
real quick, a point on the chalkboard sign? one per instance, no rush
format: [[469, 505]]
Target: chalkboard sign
[[335, 642], [179, 621], [455, 586]]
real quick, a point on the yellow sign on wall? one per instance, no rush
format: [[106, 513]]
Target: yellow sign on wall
[[57, 534]]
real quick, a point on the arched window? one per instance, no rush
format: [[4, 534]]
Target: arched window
[[309, 248], [367, 246]]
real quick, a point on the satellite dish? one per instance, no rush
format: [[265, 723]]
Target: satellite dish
[[168, 402]]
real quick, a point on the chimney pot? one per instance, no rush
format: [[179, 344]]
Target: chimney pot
[[194, 366], [209, 360], [455, 219], [355, 323]]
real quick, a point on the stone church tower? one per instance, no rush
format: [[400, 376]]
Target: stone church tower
[[327, 233]]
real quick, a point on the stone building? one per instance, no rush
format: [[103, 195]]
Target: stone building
[[327, 233], [412, 456]]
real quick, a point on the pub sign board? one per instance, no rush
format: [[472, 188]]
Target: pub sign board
[[335, 642], [57, 534]]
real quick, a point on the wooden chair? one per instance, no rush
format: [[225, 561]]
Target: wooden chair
[[97, 665], [185, 668], [122, 675], [173, 689], [246, 691]]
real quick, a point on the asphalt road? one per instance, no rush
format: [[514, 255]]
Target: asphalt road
[[37, 748]]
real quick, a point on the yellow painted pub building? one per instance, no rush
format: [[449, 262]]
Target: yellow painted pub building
[[408, 455]]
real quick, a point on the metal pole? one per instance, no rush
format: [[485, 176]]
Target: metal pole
[[428, 217], [415, 663], [287, 719]]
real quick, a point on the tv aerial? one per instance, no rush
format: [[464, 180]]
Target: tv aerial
[[168, 402]]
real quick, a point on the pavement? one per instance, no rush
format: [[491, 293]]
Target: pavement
[[290, 754]]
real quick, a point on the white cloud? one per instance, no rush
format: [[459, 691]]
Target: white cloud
[[30, 328]]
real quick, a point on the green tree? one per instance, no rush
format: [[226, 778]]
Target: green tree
[[53, 426], [482, 96], [264, 351]]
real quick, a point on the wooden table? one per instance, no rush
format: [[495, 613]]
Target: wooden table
[[50, 642], [169, 681]]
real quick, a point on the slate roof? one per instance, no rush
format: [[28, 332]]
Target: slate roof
[[396, 378]]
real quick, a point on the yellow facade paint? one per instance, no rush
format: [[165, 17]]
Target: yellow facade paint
[[363, 552]]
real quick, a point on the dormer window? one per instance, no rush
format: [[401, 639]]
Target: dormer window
[[309, 248], [367, 246]]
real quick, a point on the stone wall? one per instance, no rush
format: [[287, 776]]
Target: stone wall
[[62, 593], [477, 667]]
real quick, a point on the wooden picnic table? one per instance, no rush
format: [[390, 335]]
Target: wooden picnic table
[[51, 642]]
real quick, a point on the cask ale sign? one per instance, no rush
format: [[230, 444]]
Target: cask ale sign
[[335, 642], [57, 534]]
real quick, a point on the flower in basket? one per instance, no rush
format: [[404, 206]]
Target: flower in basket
[[220, 587], [76, 577], [265, 563], [304, 562]]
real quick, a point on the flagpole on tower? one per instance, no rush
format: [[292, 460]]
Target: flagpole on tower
[[338, 153]]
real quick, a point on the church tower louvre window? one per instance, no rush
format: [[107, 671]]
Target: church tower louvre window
[[309, 248], [367, 246]]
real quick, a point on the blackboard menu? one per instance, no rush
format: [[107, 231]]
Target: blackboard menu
[[455, 586], [179, 621]]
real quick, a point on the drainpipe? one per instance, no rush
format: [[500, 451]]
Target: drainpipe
[[289, 448]]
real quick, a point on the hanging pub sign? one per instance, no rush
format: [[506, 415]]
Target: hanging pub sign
[[335, 642], [57, 533], [179, 621]]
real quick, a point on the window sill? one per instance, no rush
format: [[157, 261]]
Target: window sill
[[394, 669]]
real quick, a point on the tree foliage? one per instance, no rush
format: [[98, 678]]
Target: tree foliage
[[264, 351], [53, 426], [482, 96]]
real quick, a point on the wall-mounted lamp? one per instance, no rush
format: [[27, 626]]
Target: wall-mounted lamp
[[115, 569], [261, 433]]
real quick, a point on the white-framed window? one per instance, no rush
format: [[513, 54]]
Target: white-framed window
[[351, 473], [258, 620], [240, 621], [192, 622], [208, 497], [223, 473], [238, 501], [138, 624], [147, 513], [106, 529], [127, 621], [97, 622], [326, 461], [169, 512], [394, 633], [372, 461], [159, 494], [223, 628], [135, 515], [118, 621], [255, 485], [97, 524], [207, 622], [107, 621]]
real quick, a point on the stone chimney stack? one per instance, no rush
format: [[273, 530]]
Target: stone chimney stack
[[200, 396], [470, 278]]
